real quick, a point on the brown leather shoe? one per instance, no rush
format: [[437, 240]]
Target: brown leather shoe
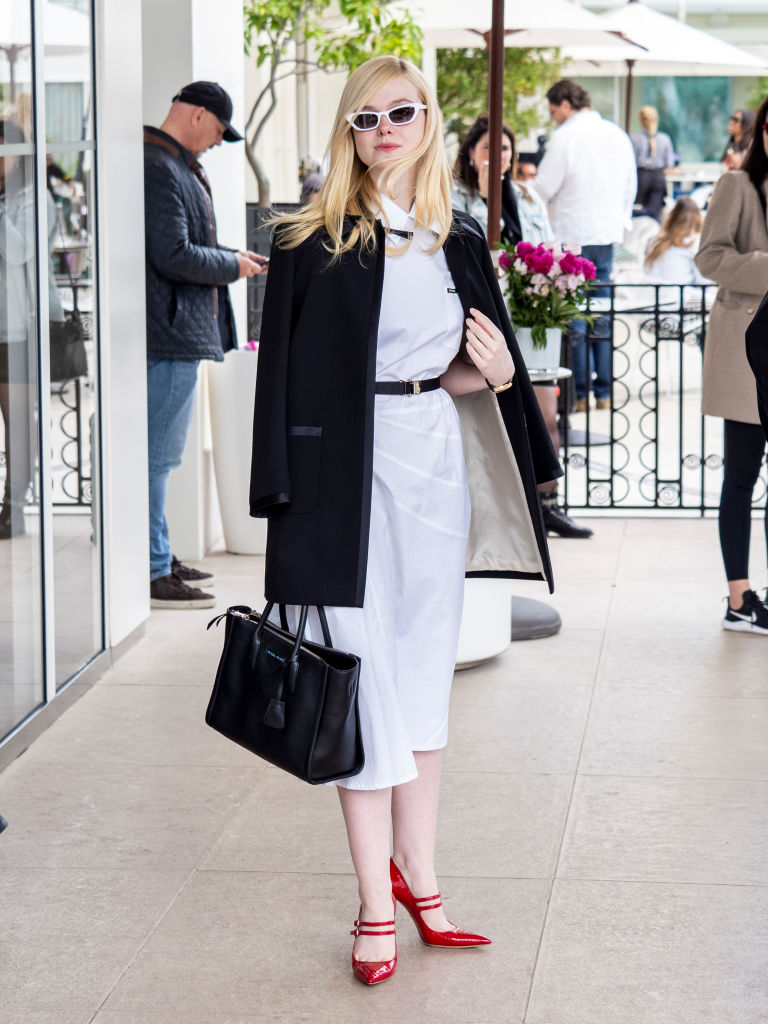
[[171, 592]]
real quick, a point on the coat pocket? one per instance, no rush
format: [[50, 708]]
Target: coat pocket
[[304, 459]]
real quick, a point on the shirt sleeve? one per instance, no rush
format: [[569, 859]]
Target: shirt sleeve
[[552, 169], [169, 247], [720, 257], [630, 178]]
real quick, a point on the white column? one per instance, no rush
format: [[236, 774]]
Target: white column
[[122, 319], [185, 41]]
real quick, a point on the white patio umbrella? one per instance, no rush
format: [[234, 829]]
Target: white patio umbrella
[[672, 47], [543, 23], [65, 31]]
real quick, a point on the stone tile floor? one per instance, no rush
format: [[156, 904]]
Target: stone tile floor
[[604, 818]]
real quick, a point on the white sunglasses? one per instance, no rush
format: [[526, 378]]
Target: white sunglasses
[[403, 113]]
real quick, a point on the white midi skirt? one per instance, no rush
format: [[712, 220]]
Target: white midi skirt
[[406, 633]]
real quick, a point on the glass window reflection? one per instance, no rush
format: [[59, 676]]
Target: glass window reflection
[[21, 674], [68, 78], [72, 307]]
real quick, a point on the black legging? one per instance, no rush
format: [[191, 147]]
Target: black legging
[[744, 445]]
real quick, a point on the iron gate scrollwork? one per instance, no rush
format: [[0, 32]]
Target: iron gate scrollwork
[[652, 450]]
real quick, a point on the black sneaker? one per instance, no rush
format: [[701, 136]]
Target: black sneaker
[[171, 592], [752, 617], [557, 521], [194, 577]]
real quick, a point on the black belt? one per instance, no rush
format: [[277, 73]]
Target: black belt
[[406, 387]]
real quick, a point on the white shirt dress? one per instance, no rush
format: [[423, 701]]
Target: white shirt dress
[[406, 633]]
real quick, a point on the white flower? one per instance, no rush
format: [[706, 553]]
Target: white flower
[[561, 284], [520, 266]]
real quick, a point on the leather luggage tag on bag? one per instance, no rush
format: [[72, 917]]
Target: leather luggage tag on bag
[[274, 716]]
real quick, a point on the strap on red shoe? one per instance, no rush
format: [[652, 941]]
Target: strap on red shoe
[[429, 902], [361, 927]]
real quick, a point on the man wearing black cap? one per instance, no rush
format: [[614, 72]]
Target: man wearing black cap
[[189, 316]]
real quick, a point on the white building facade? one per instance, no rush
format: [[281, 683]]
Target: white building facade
[[78, 78]]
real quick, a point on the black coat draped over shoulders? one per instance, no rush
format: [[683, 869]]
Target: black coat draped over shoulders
[[312, 464]]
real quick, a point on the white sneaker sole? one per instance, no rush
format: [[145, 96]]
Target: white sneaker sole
[[201, 584], [744, 627], [199, 602]]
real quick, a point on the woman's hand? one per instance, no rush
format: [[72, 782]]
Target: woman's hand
[[482, 179], [487, 348]]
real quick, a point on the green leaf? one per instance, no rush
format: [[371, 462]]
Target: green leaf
[[462, 85]]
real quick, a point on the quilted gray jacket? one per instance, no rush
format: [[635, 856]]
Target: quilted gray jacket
[[189, 315]]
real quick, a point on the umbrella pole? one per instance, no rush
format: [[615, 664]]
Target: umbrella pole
[[628, 97], [495, 120]]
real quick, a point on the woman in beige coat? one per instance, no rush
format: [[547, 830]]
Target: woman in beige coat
[[734, 254]]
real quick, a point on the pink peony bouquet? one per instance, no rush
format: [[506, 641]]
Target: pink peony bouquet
[[545, 286]]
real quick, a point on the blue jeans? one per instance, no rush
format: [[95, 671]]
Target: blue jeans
[[170, 393], [599, 333]]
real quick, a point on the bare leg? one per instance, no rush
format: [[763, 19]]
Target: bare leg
[[736, 590], [414, 824], [367, 815], [547, 399]]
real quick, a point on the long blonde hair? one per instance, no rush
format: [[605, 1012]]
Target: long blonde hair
[[680, 226], [350, 191]]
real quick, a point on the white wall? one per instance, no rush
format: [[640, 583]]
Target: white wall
[[121, 273], [185, 41]]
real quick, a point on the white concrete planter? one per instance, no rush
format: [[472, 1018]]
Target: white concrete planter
[[540, 358], [231, 387], [485, 621]]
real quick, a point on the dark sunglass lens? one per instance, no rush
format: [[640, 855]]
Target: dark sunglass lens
[[402, 115], [365, 121]]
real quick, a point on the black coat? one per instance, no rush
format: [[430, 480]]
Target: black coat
[[311, 471], [189, 315], [757, 355]]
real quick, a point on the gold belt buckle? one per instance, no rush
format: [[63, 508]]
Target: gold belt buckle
[[416, 386]]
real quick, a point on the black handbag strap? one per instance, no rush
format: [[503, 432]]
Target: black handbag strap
[[320, 614]]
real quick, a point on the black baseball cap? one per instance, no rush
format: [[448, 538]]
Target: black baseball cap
[[211, 96]]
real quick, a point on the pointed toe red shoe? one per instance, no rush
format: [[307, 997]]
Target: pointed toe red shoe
[[372, 972], [454, 938]]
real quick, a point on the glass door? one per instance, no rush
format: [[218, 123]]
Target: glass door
[[21, 628], [73, 329]]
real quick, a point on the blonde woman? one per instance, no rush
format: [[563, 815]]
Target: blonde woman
[[387, 365], [655, 155]]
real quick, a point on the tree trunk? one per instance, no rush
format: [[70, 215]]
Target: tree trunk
[[262, 180]]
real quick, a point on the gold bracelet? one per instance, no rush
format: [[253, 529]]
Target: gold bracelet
[[501, 387]]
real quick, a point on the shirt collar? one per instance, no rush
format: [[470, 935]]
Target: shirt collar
[[398, 218], [588, 114], [395, 215]]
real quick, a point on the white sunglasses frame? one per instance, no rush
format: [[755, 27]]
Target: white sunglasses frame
[[381, 113]]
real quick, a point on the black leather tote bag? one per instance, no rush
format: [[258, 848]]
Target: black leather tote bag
[[287, 699]]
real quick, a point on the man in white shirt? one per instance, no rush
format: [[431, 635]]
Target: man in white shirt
[[589, 178]]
